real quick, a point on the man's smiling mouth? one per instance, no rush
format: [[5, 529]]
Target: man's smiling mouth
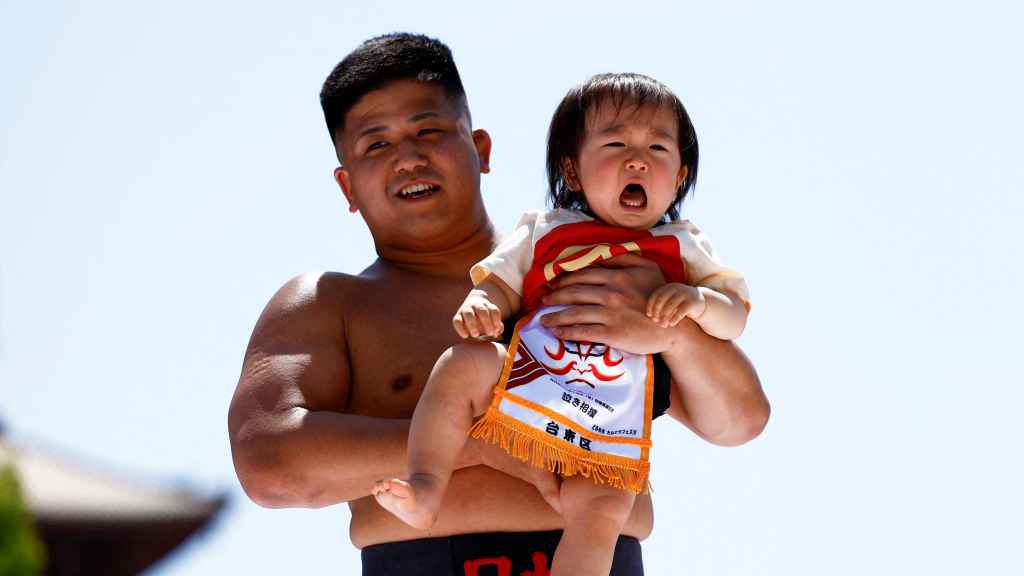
[[415, 191], [633, 196]]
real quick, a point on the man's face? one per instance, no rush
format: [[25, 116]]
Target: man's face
[[411, 166]]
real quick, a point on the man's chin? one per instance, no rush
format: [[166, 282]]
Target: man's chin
[[438, 230]]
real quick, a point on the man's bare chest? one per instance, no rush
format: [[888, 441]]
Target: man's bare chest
[[393, 344]]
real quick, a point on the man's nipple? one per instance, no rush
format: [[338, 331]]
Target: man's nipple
[[401, 383]]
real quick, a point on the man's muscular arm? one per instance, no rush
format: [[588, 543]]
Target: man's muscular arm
[[291, 443], [715, 391]]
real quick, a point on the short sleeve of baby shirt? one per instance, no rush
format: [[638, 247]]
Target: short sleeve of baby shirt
[[703, 268], [511, 260]]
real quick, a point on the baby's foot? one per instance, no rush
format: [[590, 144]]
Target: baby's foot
[[399, 497]]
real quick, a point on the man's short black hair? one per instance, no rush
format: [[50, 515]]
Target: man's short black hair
[[382, 60], [569, 127]]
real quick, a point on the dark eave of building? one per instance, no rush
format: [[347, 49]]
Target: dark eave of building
[[95, 521]]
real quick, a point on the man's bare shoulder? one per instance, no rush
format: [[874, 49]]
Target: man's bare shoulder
[[314, 293], [307, 288], [299, 346], [307, 313]]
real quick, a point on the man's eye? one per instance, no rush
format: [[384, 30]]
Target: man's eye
[[375, 146], [428, 131]]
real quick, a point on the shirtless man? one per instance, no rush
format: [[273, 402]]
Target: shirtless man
[[336, 362]]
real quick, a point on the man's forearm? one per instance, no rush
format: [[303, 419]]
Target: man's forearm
[[313, 459], [716, 391]]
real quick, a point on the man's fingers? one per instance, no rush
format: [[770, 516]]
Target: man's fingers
[[583, 332], [578, 323], [595, 275], [575, 315], [628, 260], [577, 294]]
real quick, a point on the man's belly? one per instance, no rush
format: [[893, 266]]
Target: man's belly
[[479, 499]]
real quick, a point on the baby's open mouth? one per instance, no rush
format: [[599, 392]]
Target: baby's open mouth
[[633, 196]]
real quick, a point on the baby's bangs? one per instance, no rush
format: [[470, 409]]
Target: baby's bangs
[[627, 91]]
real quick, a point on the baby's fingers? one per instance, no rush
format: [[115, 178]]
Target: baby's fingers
[[677, 316], [471, 322], [657, 300], [673, 300], [497, 327], [688, 308], [486, 321], [460, 326], [667, 314]]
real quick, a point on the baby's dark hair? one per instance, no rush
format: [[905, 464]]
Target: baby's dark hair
[[382, 60], [569, 128]]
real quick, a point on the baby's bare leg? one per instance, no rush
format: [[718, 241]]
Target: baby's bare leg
[[458, 390], [594, 515]]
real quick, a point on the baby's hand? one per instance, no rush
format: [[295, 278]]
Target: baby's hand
[[669, 304], [478, 317]]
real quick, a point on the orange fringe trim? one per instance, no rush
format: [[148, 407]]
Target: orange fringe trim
[[531, 445]]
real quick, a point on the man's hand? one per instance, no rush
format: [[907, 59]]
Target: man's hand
[[673, 302], [478, 317], [609, 305], [478, 452]]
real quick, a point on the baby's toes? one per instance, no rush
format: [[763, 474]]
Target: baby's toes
[[400, 488]]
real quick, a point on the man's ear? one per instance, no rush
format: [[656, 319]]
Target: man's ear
[[482, 142], [569, 172], [683, 171], [341, 176]]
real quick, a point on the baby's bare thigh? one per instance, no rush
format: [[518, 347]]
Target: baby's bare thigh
[[583, 498]]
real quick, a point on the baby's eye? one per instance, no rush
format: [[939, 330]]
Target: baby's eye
[[615, 144], [659, 148]]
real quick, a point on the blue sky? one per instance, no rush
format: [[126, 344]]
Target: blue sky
[[164, 169]]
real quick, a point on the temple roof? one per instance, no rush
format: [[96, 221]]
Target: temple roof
[[60, 487], [97, 521]]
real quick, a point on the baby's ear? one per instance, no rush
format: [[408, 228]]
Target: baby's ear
[[569, 172], [683, 172]]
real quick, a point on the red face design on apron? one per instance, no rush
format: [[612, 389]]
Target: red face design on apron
[[582, 363]]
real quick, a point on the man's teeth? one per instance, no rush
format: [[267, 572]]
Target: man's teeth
[[416, 189]]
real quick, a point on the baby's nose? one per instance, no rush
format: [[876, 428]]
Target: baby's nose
[[637, 164]]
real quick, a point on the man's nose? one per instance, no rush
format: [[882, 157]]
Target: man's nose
[[409, 157]]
